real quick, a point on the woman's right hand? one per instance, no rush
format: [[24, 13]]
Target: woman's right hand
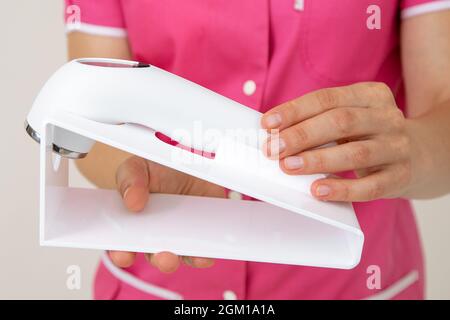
[[136, 178]]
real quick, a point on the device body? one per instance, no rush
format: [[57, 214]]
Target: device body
[[118, 91], [124, 104]]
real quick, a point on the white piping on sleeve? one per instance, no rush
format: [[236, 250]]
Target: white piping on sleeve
[[397, 287], [96, 29], [425, 8], [137, 283]]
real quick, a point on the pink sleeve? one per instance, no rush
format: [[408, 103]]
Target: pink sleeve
[[100, 17], [412, 8]]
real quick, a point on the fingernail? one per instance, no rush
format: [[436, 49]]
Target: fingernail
[[148, 257], [294, 162], [276, 146], [323, 190], [273, 120], [125, 192], [189, 261]]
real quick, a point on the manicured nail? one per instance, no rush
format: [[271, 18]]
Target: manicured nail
[[125, 193], [276, 146], [323, 190], [295, 162], [273, 120]]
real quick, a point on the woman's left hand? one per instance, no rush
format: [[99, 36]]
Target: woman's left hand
[[373, 138]]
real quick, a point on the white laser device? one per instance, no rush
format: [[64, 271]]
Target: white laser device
[[125, 104]]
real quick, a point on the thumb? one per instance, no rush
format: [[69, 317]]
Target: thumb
[[132, 180]]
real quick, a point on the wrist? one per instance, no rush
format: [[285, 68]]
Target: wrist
[[422, 159]]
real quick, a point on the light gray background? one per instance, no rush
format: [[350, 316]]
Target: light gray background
[[32, 46]]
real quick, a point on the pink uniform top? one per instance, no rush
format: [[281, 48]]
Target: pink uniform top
[[262, 53]]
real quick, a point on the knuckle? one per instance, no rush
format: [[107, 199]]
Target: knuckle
[[344, 192], [360, 155], [382, 91], [128, 169], [326, 98], [132, 162], [344, 120], [300, 135], [375, 191], [396, 118], [122, 171], [317, 163], [289, 108], [380, 86], [290, 104], [378, 91]]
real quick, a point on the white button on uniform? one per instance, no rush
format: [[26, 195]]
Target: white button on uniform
[[229, 295], [234, 195], [249, 87], [299, 5]]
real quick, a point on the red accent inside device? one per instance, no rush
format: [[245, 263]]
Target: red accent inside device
[[168, 140]]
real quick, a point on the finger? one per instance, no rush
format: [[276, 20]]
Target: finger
[[324, 128], [364, 94], [381, 184], [148, 257], [166, 262], [122, 259], [198, 262], [132, 181], [348, 156]]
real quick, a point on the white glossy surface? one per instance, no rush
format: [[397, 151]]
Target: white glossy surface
[[81, 104], [309, 234], [238, 229]]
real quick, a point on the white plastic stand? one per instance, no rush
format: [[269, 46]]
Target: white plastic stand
[[289, 227]]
